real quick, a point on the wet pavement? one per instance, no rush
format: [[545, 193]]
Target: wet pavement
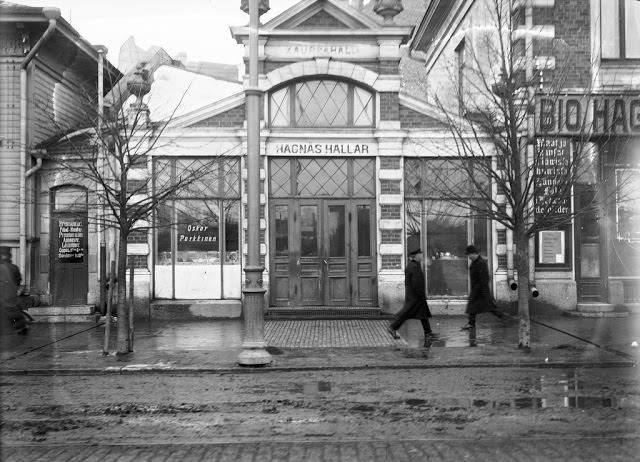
[[214, 345]]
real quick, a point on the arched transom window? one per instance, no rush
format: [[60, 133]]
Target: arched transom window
[[321, 103]]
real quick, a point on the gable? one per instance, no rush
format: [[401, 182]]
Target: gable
[[321, 14], [322, 20]]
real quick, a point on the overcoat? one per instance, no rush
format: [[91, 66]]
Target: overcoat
[[480, 299], [415, 299], [9, 298]]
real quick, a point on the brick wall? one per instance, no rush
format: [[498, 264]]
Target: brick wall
[[389, 162], [139, 236], [232, 118], [390, 186], [139, 261], [572, 44], [389, 66], [391, 262], [413, 119], [390, 212], [389, 106], [391, 236]]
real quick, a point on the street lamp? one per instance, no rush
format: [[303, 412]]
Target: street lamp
[[253, 346]]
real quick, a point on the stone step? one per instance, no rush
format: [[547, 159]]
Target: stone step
[[61, 310], [191, 309], [594, 307], [598, 310], [596, 314], [325, 312], [60, 313]]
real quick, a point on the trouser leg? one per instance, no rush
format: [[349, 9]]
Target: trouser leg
[[426, 327], [472, 319], [397, 322]]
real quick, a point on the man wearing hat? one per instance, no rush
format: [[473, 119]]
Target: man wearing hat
[[480, 299], [415, 299]]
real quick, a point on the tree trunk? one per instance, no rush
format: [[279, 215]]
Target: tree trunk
[[522, 266], [123, 318]]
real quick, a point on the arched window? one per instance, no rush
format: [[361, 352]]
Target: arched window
[[321, 103]]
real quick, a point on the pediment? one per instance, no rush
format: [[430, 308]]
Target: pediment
[[321, 14]]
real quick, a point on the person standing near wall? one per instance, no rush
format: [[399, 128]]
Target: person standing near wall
[[480, 299], [10, 280], [415, 299]]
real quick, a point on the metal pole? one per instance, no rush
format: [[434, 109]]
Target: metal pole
[[253, 346]]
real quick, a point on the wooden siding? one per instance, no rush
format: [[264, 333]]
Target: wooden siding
[[9, 149], [57, 106]]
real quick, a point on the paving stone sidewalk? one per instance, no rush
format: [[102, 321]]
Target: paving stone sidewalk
[[214, 346]]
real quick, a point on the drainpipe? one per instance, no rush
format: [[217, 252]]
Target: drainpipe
[[52, 14]]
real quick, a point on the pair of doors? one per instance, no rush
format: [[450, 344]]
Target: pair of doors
[[322, 252]]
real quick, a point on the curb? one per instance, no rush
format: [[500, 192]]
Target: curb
[[536, 364]]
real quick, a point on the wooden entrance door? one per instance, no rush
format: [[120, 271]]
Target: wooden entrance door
[[69, 271], [69, 275], [322, 253], [589, 266]]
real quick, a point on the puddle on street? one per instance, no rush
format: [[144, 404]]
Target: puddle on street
[[312, 388]]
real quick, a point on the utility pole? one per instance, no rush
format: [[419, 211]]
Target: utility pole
[[253, 345]]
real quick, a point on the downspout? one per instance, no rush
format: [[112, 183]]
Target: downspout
[[52, 14]]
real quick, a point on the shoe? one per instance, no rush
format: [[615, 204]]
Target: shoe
[[467, 327], [393, 332], [430, 335]]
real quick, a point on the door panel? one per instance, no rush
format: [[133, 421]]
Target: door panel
[[589, 280], [335, 253], [69, 275], [363, 256], [282, 268], [310, 259]]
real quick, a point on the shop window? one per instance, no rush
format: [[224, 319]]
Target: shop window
[[628, 204], [321, 103], [441, 228], [197, 231], [620, 29]]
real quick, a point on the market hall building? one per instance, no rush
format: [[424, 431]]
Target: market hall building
[[344, 143]]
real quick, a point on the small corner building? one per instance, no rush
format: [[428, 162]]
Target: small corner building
[[46, 71], [348, 143]]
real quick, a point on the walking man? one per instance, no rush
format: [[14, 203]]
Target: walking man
[[480, 299], [415, 299]]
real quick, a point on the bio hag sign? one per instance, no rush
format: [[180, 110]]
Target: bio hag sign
[[588, 114]]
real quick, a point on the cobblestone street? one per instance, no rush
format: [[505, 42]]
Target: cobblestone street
[[535, 450]]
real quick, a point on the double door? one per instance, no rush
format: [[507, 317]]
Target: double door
[[322, 252]]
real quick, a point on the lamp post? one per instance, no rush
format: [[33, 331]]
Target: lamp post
[[253, 345]]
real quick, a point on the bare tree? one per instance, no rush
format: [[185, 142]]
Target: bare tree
[[117, 155], [498, 168]]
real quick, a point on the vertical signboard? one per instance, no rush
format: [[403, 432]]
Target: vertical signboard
[[552, 199], [71, 241]]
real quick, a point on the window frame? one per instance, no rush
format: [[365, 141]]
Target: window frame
[[351, 86], [221, 197], [621, 35]]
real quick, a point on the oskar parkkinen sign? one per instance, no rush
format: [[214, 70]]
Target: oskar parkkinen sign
[[588, 114]]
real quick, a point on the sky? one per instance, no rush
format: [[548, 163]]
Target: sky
[[198, 27]]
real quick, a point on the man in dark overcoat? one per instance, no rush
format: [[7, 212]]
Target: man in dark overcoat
[[480, 299], [9, 284], [415, 298]]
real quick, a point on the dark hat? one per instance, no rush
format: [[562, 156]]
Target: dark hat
[[415, 252], [471, 249]]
